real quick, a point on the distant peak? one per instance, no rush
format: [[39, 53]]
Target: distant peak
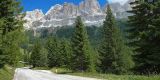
[[57, 6]]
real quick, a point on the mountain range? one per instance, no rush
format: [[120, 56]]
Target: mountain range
[[62, 15]]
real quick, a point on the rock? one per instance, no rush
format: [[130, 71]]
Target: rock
[[32, 16], [61, 15]]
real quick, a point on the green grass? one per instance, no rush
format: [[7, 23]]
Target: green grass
[[105, 76], [61, 70], [116, 77], [41, 68], [6, 73]]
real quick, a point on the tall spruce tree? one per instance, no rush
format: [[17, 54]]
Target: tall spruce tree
[[81, 56], [12, 24], [144, 35], [155, 34], [65, 50], [38, 56], [2, 55], [54, 55], [115, 57]]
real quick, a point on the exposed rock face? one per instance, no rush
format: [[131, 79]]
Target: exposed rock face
[[61, 11], [61, 15], [32, 16], [90, 7]]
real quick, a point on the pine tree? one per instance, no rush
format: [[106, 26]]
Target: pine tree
[[10, 12], [38, 56], [26, 57], [11, 47], [143, 35], [2, 55], [155, 35], [54, 55], [81, 56], [43, 57], [65, 51], [11, 24], [113, 52]]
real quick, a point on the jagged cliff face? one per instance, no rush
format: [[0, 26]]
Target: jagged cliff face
[[32, 16], [61, 15], [61, 11], [90, 7]]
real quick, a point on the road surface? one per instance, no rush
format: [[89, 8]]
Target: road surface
[[28, 74]]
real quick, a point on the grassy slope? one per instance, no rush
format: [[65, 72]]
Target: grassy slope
[[106, 76], [6, 73]]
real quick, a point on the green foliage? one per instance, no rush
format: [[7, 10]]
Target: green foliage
[[11, 47], [114, 55], [144, 35], [26, 57], [59, 52], [61, 70], [54, 55], [2, 59], [10, 11], [38, 56], [44, 57], [92, 31], [116, 77], [6, 73], [82, 55], [11, 31], [65, 29], [65, 51]]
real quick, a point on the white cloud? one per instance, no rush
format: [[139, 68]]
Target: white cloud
[[119, 1]]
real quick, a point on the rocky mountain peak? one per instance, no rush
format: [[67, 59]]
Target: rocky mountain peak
[[54, 9], [32, 16], [90, 7], [69, 9], [65, 14]]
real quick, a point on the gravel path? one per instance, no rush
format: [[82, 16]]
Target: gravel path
[[28, 74]]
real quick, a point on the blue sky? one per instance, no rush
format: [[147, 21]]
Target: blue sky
[[45, 5]]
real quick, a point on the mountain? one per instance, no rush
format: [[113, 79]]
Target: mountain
[[62, 15], [90, 7], [32, 16]]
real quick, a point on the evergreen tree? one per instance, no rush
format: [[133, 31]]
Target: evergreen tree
[[26, 57], [81, 56], [113, 52], [2, 55], [38, 56], [11, 24], [11, 47], [44, 57], [65, 51], [54, 55], [144, 35], [10, 12]]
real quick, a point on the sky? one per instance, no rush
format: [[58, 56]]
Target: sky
[[45, 5]]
